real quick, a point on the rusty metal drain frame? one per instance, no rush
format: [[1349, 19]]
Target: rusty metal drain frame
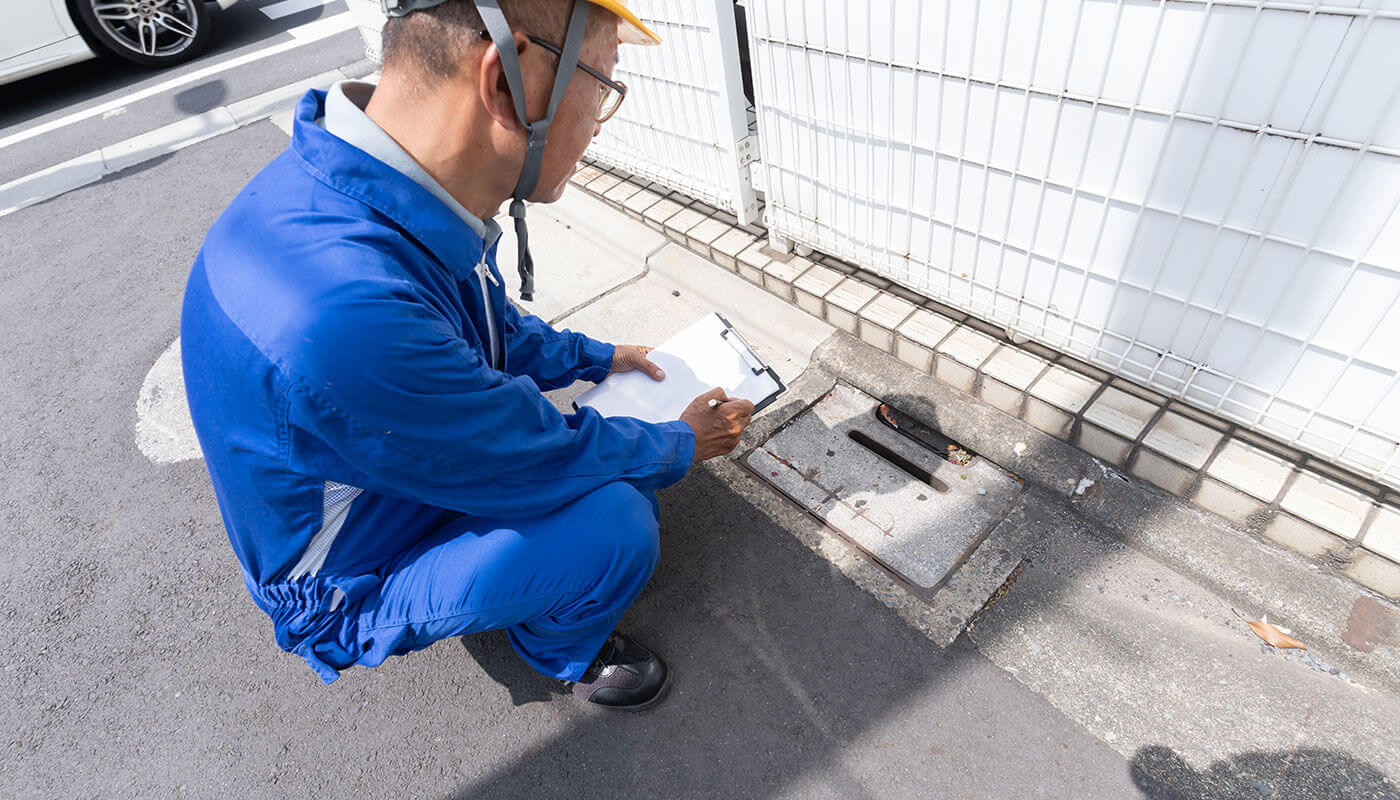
[[925, 594]]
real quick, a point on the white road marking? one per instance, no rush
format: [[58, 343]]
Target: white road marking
[[164, 430], [301, 35], [323, 28], [286, 8], [89, 167]]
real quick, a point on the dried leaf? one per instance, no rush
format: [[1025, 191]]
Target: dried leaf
[[1271, 634]]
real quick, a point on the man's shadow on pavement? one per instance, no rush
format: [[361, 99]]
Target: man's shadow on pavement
[[781, 664], [493, 653]]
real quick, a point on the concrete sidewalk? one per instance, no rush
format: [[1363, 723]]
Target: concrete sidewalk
[[137, 665], [1123, 614]]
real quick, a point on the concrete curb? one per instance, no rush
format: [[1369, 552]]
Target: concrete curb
[[1316, 601], [95, 165], [1258, 485], [960, 363]]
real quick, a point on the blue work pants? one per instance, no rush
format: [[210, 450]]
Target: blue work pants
[[557, 584]]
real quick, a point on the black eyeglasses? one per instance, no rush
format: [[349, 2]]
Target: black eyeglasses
[[614, 92]]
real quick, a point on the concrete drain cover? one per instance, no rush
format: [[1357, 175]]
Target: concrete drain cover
[[916, 512]]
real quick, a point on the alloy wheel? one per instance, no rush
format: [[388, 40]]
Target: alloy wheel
[[152, 28]]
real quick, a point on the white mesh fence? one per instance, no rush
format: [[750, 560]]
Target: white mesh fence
[[685, 120], [1200, 196]]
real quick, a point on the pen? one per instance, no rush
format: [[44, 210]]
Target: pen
[[714, 403]]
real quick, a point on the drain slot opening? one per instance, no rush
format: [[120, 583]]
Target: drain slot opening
[[915, 471], [924, 435]]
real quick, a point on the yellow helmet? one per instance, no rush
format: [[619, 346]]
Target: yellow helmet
[[630, 30]]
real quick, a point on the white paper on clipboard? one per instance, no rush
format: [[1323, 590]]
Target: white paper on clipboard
[[706, 355]]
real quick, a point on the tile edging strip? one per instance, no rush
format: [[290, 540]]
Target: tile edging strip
[[1269, 510]]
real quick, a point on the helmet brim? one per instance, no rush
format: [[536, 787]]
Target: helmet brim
[[630, 30]]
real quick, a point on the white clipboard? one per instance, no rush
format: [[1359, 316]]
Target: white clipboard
[[707, 355]]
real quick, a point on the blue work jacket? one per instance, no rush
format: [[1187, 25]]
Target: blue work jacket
[[334, 330]]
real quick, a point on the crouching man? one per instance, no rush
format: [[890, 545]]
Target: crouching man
[[368, 401]]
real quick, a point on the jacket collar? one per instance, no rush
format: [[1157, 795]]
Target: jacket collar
[[356, 174]]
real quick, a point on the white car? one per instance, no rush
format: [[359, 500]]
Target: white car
[[46, 34]]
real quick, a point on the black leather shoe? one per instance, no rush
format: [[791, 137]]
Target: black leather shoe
[[624, 676]]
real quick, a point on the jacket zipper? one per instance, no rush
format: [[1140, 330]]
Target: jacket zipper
[[483, 273]]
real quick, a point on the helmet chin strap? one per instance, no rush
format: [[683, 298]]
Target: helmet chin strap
[[537, 132]]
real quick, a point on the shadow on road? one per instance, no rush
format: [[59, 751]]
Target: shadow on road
[[778, 664], [1310, 774], [202, 97], [781, 667], [493, 653]]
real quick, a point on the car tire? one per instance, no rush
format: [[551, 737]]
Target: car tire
[[152, 33]]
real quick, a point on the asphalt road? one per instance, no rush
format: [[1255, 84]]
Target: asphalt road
[[135, 664]]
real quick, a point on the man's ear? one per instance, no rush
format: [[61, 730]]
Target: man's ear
[[495, 89]]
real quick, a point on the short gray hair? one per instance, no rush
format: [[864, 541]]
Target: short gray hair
[[436, 40]]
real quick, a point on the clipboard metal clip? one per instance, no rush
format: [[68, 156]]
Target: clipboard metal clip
[[742, 348]]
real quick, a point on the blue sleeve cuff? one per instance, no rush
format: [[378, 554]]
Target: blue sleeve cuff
[[685, 453], [597, 360]]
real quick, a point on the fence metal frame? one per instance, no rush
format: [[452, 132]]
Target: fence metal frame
[[654, 135]]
